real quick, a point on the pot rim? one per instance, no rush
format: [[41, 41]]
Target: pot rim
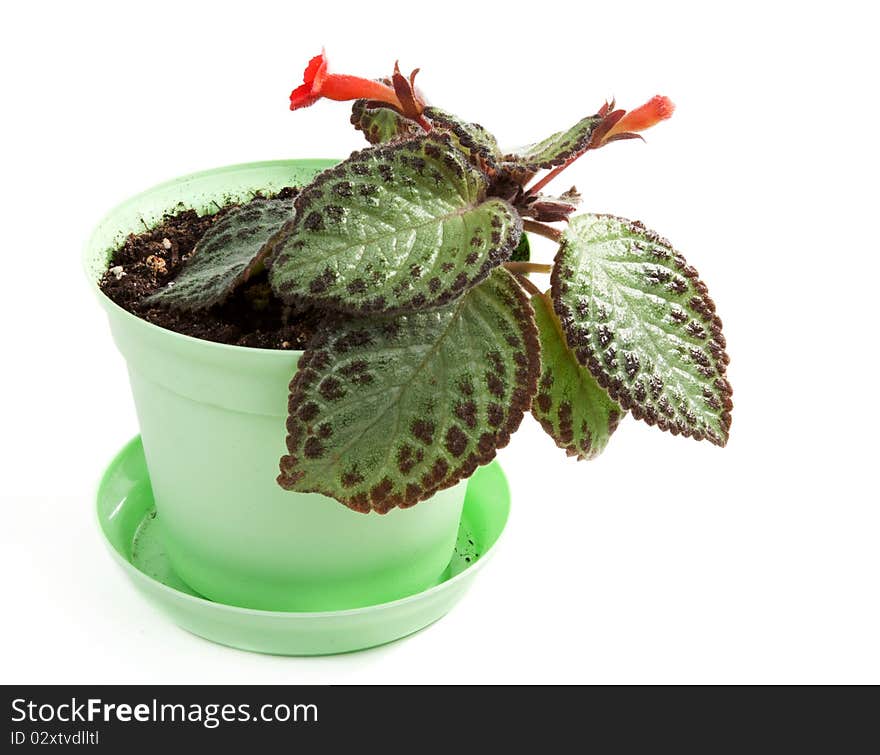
[[106, 302]]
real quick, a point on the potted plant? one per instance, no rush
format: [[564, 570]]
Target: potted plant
[[408, 342]]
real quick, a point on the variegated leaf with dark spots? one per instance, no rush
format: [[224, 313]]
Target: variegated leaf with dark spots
[[639, 317], [229, 253], [471, 138], [386, 410], [571, 406], [556, 149], [381, 123], [395, 228]]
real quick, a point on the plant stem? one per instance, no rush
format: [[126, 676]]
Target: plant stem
[[528, 285], [554, 234], [535, 188], [520, 268]]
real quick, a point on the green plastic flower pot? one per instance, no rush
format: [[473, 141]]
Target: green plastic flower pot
[[132, 529], [212, 421]]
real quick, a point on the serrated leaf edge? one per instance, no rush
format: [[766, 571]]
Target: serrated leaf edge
[[580, 146], [614, 419], [254, 267], [526, 377], [486, 158], [358, 112], [502, 250], [616, 389]]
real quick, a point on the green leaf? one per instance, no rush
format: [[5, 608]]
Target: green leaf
[[229, 253], [471, 138], [556, 149], [380, 123], [638, 316], [523, 251], [387, 410], [394, 228], [571, 405]]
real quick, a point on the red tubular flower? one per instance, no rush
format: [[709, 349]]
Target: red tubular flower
[[317, 83], [651, 113], [618, 124]]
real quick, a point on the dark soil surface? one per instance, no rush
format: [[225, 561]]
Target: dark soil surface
[[251, 316]]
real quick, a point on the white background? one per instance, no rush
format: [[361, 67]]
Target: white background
[[663, 561]]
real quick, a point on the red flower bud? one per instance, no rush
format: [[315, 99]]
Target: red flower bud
[[652, 112], [317, 83]]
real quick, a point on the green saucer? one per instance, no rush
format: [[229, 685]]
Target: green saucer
[[128, 520]]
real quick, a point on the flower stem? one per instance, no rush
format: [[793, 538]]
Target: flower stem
[[533, 226], [528, 285], [535, 188], [518, 268]]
